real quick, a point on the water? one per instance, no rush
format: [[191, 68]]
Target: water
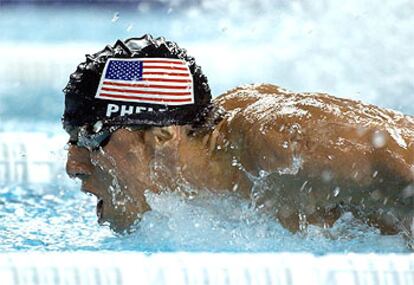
[[357, 49], [43, 210], [57, 216]]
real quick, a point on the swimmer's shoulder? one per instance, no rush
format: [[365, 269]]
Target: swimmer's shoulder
[[262, 104], [267, 103], [245, 95], [255, 116]]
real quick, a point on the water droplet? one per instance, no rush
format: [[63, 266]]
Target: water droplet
[[115, 18], [375, 174], [262, 173], [303, 185], [336, 191], [285, 144], [130, 27], [378, 139], [327, 176], [408, 191], [376, 195], [97, 126]]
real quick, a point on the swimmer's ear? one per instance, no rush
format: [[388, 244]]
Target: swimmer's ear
[[164, 135]]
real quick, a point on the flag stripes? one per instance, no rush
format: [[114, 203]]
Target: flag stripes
[[147, 80], [127, 98]]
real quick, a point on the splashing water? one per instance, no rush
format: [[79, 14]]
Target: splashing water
[[55, 215], [62, 218]]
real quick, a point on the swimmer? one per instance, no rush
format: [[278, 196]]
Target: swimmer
[[141, 118]]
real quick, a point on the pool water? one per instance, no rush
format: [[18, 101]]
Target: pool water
[[42, 209], [57, 216], [357, 50]]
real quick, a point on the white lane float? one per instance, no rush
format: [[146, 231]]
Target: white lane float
[[31, 157], [82, 268]]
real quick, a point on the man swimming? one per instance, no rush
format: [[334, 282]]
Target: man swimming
[[140, 118]]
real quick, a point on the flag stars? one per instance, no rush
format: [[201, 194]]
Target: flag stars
[[124, 70]]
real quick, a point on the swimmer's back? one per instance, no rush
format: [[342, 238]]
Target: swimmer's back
[[330, 143], [320, 126]]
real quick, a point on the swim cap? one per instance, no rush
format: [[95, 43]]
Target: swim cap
[[139, 81]]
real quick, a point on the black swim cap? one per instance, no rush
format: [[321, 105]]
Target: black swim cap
[[139, 81]]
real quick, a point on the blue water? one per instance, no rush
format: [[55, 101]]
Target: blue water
[[58, 217], [357, 50]]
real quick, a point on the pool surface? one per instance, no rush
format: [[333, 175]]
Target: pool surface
[[43, 210]]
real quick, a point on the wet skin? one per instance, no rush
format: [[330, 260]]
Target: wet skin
[[300, 157]]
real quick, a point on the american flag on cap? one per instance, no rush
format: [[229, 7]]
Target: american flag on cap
[[163, 81]]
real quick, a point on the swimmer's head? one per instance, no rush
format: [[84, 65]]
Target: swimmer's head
[[128, 108], [140, 81]]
